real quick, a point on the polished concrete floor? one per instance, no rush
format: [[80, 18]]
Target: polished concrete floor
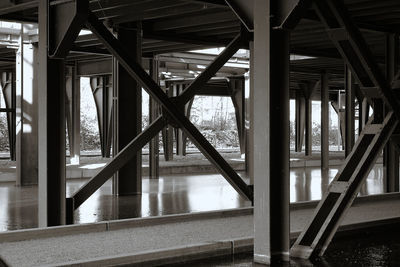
[[169, 195]]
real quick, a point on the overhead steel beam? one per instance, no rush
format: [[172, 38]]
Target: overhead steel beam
[[170, 108], [212, 69], [18, 7], [295, 12], [244, 11]]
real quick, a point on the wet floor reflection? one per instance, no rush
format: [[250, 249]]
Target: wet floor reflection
[[168, 195]]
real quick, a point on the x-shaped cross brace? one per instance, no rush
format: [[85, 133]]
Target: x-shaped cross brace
[[172, 113]]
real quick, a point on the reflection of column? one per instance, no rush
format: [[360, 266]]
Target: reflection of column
[[26, 114]]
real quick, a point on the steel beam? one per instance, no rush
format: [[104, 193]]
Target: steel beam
[[345, 186], [173, 112], [212, 69], [116, 163]]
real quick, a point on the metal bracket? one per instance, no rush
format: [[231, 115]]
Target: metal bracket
[[65, 20]]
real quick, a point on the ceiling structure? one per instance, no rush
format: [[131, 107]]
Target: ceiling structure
[[174, 26]]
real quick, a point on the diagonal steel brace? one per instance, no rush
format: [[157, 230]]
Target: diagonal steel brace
[[136, 71]]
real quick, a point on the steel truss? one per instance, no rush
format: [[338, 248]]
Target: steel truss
[[172, 108]]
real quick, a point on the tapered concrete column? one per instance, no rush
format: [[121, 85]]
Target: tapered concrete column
[[128, 123], [51, 114], [154, 150], [324, 121], [299, 121], [271, 137], [8, 84], [73, 116], [349, 111], [26, 112]]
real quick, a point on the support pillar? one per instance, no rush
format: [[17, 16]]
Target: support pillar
[[8, 84], [324, 122], [73, 116], [271, 137], [349, 111], [128, 123], [391, 155], [168, 132], [26, 113], [102, 92], [250, 148], [154, 112], [238, 100], [299, 121], [308, 120], [51, 90]]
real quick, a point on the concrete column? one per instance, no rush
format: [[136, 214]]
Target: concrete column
[[250, 154], [51, 91], [26, 112], [8, 84], [324, 122], [154, 150], [391, 155], [299, 121], [73, 89], [308, 126], [349, 111], [129, 112], [271, 137]]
